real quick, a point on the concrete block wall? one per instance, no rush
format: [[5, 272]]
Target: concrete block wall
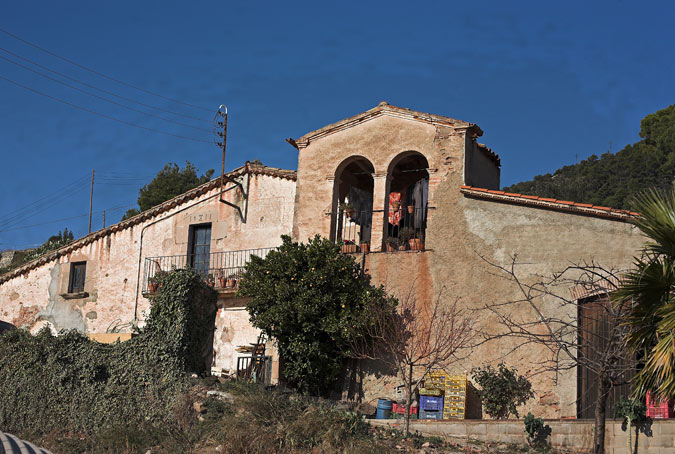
[[576, 436]]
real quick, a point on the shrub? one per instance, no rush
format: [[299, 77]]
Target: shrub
[[634, 414], [537, 431], [313, 301], [53, 382], [502, 390]]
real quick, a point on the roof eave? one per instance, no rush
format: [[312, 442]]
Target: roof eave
[[381, 109]]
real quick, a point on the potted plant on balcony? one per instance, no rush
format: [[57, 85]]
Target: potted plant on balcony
[[222, 281], [154, 281], [404, 236], [232, 281], [153, 284], [348, 209], [417, 244], [365, 247], [348, 247], [392, 244], [210, 281]]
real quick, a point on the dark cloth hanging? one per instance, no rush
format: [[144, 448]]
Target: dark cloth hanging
[[362, 202], [418, 194]]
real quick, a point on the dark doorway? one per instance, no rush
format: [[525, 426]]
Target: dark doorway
[[199, 248], [595, 332]]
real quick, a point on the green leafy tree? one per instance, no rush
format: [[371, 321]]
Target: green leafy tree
[[169, 182], [650, 290], [502, 390], [614, 178], [312, 300]]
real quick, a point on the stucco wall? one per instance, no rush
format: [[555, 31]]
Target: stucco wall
[[481, 171], [35, 299], [379, 140], [460, 230]]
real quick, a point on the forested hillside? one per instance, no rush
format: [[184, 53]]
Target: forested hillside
[[611, 179]]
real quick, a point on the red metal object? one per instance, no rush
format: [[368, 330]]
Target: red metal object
[[659, 410], [400, 409]]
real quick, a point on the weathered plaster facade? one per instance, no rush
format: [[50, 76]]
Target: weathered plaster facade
[[463, 227], [36, 295], [467, 220]]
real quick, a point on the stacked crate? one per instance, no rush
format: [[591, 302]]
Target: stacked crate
[[454, 391], [455, 397], [659, 409], [431, 407]]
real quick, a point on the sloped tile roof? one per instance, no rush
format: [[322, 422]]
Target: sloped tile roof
[[383, 108], [487, 151], [551, 204]]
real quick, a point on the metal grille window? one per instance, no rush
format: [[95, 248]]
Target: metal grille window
[[77, 275]]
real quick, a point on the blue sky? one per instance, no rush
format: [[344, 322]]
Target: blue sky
[[549, 83]]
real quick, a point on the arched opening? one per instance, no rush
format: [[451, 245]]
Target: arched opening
[[353, 204], [406, 202]]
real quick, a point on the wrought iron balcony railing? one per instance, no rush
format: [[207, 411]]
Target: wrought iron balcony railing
[[354, 227], [405, 228], [220, 269]]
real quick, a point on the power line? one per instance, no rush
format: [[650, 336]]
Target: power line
[[128, 123], [108, 210], [102, 90], [18, 38], [35, 207], [101, 97]]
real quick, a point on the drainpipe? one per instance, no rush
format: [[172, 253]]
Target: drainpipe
[[140, 247]]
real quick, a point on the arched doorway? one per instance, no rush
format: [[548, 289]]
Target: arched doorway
[[406, 202], [353, 203]]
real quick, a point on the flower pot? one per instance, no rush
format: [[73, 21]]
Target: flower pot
[[349, 248], [365, 248], [402, 247], [415, 244], [231, 283], [222, 282], [411, 209], [152, 287], [390, 248]]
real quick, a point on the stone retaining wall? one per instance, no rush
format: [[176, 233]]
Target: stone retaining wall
[[575, 435]]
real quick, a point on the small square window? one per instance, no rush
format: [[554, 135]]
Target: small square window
[[77, 274]]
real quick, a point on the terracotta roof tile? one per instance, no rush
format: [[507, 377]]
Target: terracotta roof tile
[[384, 108], [494, 157], [549, 203]]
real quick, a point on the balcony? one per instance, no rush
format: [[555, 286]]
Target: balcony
[[405, 228], [222, 270]]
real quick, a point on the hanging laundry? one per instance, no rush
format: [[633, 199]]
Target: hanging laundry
[[396, 202]]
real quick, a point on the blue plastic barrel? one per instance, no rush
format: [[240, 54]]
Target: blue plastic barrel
[[384, 407]]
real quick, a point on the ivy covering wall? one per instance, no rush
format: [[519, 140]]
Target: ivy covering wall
[[50, 382]]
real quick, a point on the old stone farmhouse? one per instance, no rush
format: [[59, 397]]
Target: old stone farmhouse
[[415, 190]]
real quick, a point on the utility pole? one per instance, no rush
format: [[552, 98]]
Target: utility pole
[[221, 140], [91, 198]]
